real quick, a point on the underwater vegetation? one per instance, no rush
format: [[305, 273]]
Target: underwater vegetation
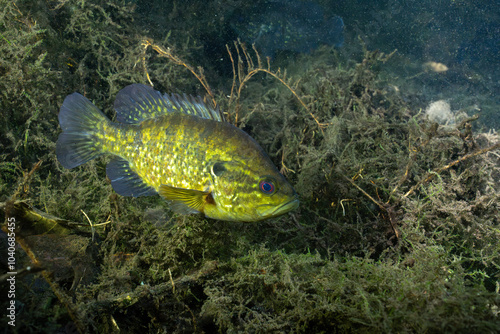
[[286, 25], [397, 231]]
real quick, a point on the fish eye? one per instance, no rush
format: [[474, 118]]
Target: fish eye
[[266, 186]]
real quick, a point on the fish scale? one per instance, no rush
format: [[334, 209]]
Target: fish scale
[[177, 147]]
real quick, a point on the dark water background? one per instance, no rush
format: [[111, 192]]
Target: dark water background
[[463, 35]]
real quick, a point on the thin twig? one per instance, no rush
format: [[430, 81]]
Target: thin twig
[[244, 75], [430, 175], [166, 52], [391, 214]]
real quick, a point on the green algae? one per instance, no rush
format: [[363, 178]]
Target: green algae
[[407, 246]]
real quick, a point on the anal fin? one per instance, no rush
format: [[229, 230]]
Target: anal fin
[[125, 181]]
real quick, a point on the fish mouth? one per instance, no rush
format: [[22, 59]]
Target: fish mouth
[[283, 208]]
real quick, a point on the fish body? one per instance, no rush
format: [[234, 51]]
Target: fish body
[[177, 147], [287, 25]]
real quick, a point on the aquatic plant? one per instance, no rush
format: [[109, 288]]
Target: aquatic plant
[[398, 230]]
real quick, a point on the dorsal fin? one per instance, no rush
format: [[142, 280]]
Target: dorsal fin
[[136, 103]]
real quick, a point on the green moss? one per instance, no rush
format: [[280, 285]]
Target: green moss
[[408, 246], [272, 291]]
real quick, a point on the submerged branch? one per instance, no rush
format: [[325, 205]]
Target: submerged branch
[[244, 73], [167, 53], [430, 175]]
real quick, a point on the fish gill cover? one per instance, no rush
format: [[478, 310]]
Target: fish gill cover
[[287, 25]]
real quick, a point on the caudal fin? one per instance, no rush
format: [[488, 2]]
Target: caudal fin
[[79, 120]]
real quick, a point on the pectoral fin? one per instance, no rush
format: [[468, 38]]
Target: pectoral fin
[[185, 201]]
